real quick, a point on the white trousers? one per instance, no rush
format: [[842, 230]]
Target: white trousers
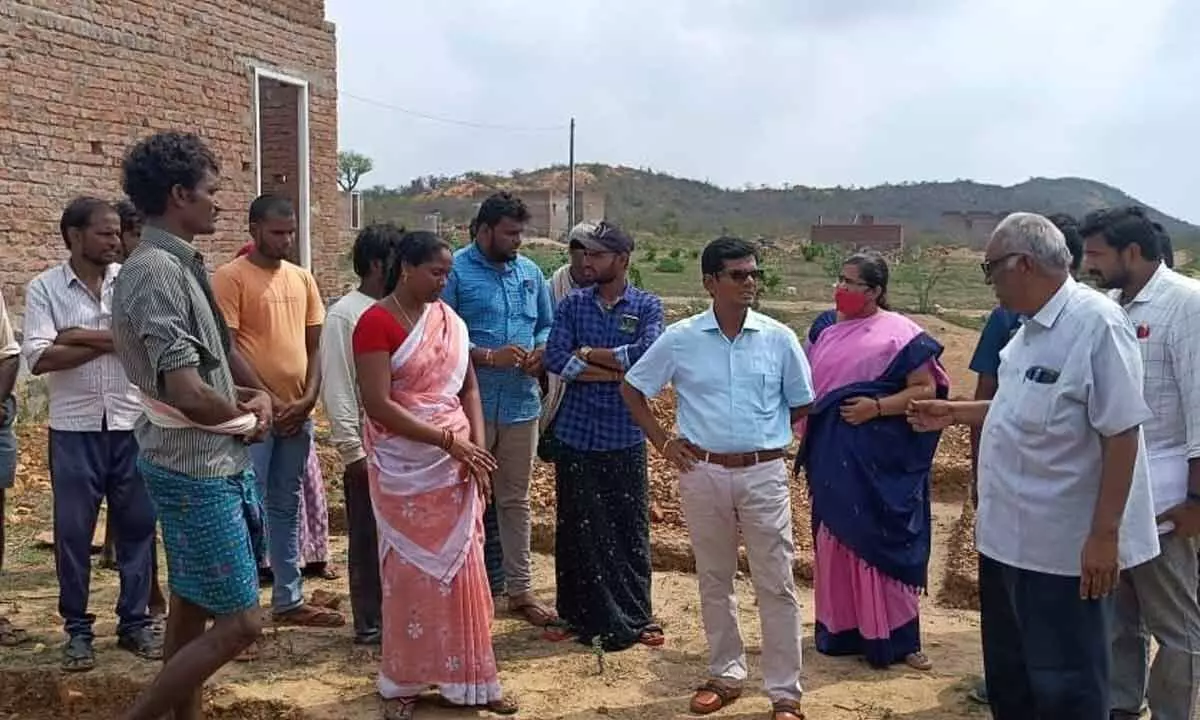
[[717, 501]]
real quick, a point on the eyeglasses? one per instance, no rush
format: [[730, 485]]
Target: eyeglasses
[[987, 266], [741, 276], [843, 280]]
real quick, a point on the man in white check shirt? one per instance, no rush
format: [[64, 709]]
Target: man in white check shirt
[[1064, 493], [1123, 252], [93, 454], [339, 394]]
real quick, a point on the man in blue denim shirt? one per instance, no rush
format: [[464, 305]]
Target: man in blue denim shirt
[[505, 301]]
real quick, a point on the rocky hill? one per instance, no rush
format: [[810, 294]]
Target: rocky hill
[[650, 201]]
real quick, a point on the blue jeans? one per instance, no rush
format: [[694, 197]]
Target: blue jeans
[[85, 468], [1046, 651], [279, 464]]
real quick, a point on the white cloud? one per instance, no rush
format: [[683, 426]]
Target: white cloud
[[817, 92]]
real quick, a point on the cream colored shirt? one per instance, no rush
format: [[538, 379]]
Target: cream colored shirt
[[1071, 376], [339, 384], [1166, 320], [8, 338]]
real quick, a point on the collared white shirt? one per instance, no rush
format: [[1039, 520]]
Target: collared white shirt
[[1070, 376], [339, 380], [80, 398], [8, 338], [1166, 321]]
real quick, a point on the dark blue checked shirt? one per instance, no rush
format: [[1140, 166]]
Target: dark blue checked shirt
[[592, 415]]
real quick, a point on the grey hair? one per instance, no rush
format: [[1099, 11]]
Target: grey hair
[[1033, 235]]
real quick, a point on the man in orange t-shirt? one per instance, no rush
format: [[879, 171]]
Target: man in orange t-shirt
[[274, 311]]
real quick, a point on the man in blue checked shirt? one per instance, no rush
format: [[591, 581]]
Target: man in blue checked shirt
[[602, 541], [505, 301]]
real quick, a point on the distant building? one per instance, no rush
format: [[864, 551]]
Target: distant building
[[549, 210], [971, 227], [864, 234]]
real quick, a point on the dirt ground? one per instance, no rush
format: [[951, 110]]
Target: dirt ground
[[319, 675]]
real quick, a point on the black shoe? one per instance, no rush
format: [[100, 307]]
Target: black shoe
[[78, 655], [143, 642]]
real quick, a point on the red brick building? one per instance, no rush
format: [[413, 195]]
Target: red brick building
[[864, 234], [83, 80]]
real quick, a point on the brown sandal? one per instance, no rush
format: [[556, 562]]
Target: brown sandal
[[786, 710], [652, 636], [918, 661], [310, 616], [534, 613], [401, 708], [712, 696]]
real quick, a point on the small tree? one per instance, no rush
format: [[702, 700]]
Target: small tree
[[351, 167], [921, 269]]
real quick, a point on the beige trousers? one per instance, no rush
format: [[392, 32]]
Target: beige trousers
[[717, 501], [514, 447]]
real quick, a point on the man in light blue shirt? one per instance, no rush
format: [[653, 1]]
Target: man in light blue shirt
[[505, 301], [741, 379]]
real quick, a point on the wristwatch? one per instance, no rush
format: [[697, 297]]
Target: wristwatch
[[585, 352]]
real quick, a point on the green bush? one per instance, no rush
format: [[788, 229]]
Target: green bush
[[695, 254], [812, 252], [771, 279], [676, 253], [669, 265], [650, 255], [635, 276]]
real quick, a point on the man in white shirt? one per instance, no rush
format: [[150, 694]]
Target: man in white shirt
[[1064, 493], [10, 361], [1123, 252], [339, 394], [93, 453]]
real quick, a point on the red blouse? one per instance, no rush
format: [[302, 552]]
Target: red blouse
[[378, 331]]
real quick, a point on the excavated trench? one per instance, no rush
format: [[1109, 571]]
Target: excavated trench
[[42, 694]]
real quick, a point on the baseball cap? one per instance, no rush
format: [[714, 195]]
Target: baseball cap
[[600, 237]]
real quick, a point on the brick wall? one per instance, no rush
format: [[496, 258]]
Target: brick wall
[[881, 238], [84, 80]]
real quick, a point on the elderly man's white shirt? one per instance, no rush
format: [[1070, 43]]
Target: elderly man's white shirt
[[1040, 451]]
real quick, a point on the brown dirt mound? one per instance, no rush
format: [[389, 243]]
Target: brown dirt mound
[[40, 694], [960, 587]]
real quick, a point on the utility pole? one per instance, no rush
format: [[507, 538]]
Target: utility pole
[[571, 182]]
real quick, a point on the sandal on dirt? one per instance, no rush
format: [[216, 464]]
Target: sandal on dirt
[[712, 696], [78, 655], [310, 616], [533, 613], [652, 636], [11, 635], [143, 642], [558, 631], [400, 708], [786, 710], [919, 661], [503, 706]]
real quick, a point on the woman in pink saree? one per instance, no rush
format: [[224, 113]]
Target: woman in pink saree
[[868, 471], [429, 477]]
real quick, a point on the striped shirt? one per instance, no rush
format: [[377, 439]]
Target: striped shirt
[[165, 319], [96, 394], [509, 305]]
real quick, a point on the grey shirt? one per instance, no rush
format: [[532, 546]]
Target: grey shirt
[[164, 320]]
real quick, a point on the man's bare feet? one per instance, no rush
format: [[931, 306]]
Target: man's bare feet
[[532, 611]]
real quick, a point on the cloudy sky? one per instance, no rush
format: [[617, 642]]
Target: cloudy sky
[[815, 92]]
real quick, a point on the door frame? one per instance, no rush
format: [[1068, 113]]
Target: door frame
[[304, 212]]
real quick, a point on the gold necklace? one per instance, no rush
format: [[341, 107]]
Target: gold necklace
[[403, 312]]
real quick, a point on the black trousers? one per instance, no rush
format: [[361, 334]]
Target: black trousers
[[366, 593], [1046, 651]]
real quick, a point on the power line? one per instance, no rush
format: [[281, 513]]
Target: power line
[[451, 121]]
